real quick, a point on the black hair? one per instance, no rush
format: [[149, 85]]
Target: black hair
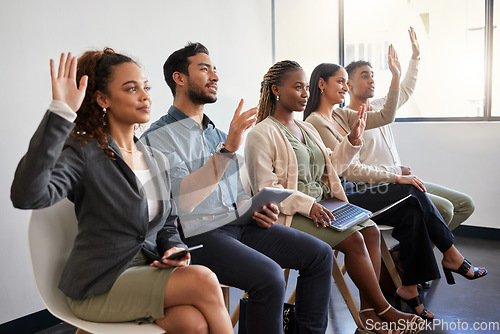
[[324, 71], [353, 65], [178, 62]]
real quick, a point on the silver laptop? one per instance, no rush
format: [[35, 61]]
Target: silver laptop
[[347, 214]]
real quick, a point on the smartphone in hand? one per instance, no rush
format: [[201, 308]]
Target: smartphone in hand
[[182, 253]]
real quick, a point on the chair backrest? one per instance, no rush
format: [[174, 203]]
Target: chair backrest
[[51, 234]]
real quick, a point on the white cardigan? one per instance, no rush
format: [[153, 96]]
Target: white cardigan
[[271, 162]]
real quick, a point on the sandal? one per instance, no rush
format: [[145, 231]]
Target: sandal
[[410, 327], [413, 303], [390, 330], [361, 322], [463, 270]]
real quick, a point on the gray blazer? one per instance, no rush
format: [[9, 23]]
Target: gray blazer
[[110, 204]]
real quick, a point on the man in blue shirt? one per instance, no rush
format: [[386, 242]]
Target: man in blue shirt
[[206, 182]]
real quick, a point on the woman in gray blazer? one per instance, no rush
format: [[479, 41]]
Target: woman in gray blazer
[[118, 269]]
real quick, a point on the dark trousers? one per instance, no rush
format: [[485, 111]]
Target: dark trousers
[[417, 226], [251, 258]]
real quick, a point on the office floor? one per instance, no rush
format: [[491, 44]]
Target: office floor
[[458, 308]]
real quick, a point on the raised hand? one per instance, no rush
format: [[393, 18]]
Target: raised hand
[[358, 127], [239, 124], [394, 65], [414, 43], [64, 86]]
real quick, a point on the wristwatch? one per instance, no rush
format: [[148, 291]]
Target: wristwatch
[[221, 149]]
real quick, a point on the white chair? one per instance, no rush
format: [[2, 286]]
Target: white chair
[[51, 234]]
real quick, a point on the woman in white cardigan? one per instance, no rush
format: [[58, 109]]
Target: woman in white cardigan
[[282, 152]]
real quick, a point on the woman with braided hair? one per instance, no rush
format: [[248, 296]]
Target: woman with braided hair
[[118, 269], [286, 153]]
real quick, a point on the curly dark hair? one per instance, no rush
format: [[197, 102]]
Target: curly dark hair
[[91, 122]]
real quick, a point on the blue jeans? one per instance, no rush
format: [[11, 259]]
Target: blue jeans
[[251, 258]]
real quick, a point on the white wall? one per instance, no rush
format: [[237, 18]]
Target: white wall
[[461, 156], [31, 32]]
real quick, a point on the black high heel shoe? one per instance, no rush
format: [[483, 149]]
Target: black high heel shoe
[[463, 270], [413, 303]]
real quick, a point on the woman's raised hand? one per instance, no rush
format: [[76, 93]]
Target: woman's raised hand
[[64, 86], [394, 67], [358, 127], [414, 43]]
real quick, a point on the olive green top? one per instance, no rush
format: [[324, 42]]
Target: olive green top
[[311, 164]]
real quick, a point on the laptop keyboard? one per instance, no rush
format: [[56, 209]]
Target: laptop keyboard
[[345, 215]]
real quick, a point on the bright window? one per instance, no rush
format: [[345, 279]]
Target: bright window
[[307, 31], [451, 37]]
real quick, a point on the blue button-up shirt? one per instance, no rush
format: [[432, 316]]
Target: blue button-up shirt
[[188, 147]]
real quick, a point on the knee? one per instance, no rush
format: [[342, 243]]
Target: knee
[[372, 233], [446, 210], [204, 280], [193, 323], [196, 327], [355, 240], [321, 254], [353, 244], [267, 283], [467, 205], [185, 319]]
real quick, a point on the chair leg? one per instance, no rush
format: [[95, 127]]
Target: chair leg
[[225, 294], [286, 273], [236, 313], [389, 263], [291, 300], [338, 276], [81, 331], [343, 269]]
